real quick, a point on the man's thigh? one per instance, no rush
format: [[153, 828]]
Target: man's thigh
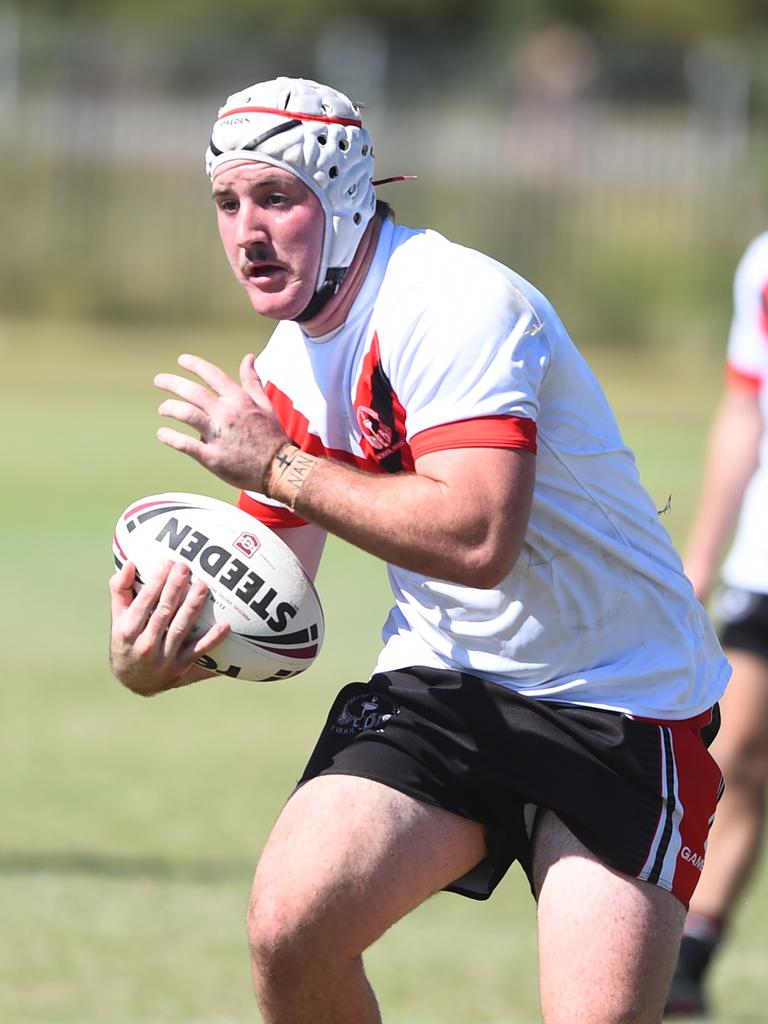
[[607, 942], [349, 856]]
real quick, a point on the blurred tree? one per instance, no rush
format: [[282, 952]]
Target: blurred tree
[[683, 18], [657, 17], [306, 14]]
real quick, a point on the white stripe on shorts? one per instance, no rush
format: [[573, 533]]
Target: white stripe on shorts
[[661, 862]]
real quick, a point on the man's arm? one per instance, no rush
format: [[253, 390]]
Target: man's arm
[[461, 516], [731, 460]]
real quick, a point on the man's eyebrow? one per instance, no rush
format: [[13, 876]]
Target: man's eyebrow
[[283, 181]]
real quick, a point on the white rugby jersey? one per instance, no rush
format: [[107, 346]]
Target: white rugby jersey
[[746, 565], [446, 348]]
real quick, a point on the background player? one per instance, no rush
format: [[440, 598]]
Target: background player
[[735, 487]]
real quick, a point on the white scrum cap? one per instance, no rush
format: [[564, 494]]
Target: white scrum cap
[[317, 134]]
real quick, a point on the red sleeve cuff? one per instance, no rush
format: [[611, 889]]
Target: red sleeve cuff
[[740, 381], [276, 517], [485, 432]]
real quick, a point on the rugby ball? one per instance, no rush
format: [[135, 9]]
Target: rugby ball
[[255, 582]]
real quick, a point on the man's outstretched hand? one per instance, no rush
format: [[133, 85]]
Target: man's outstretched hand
[[239, 432]]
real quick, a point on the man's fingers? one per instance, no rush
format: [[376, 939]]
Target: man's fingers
[[186, 615], [187, 389], [186, 413], [184, 443], [214, 636], [191, 652], [171, 596], [121, 588], [252, 385], [213, 375], [248, 376], [129, 621]]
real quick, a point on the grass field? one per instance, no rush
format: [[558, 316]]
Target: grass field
[[130, 828]]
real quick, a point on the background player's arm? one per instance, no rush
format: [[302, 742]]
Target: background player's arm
[[731, 460]]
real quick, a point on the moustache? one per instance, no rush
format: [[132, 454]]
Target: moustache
[[256, 254]]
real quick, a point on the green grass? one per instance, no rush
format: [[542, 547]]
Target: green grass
[[130, 828]]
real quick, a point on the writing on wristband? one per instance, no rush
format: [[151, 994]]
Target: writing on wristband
[[287, 473]]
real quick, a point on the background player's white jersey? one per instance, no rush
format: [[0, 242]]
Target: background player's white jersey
[[747, 563], [446, 348]]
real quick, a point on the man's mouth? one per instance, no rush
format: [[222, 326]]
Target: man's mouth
[[259, 270]]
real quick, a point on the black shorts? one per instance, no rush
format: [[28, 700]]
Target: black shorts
[[640, 795], [743, 619]]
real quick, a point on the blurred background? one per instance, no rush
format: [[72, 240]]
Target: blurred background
[[613, 151]]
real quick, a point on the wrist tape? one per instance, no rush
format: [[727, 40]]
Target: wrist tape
[[287, 473]]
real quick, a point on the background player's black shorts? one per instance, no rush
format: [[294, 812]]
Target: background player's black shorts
[[640, 795], [743, 619]]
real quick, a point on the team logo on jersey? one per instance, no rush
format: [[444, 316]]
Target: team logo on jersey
[[365, 713], [376, 432], [380, 417]]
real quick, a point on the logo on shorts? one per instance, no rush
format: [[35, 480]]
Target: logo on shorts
[[696, 860], [365, 713]]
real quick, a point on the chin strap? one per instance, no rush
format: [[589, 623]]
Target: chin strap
[[333, 281], [335, 275]]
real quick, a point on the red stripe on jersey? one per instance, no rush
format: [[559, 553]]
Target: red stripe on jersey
[[296, 426], [381, 416], [483, 432], [740, 381]]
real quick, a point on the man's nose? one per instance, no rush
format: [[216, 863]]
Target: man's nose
[[251, 228]]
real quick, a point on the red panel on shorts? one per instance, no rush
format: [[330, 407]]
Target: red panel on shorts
[[691, 784], [699, 788]]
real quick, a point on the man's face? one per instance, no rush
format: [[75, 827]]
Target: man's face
[[272, 226]]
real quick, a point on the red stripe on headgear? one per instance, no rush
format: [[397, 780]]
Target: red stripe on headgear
[[293, 114]]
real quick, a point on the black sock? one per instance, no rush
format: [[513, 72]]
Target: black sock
[[701, 937]]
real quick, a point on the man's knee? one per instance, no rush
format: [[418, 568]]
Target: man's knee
[[285, 929], [276, 931]]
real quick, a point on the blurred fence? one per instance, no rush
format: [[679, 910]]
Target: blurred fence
[[630, 215]]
